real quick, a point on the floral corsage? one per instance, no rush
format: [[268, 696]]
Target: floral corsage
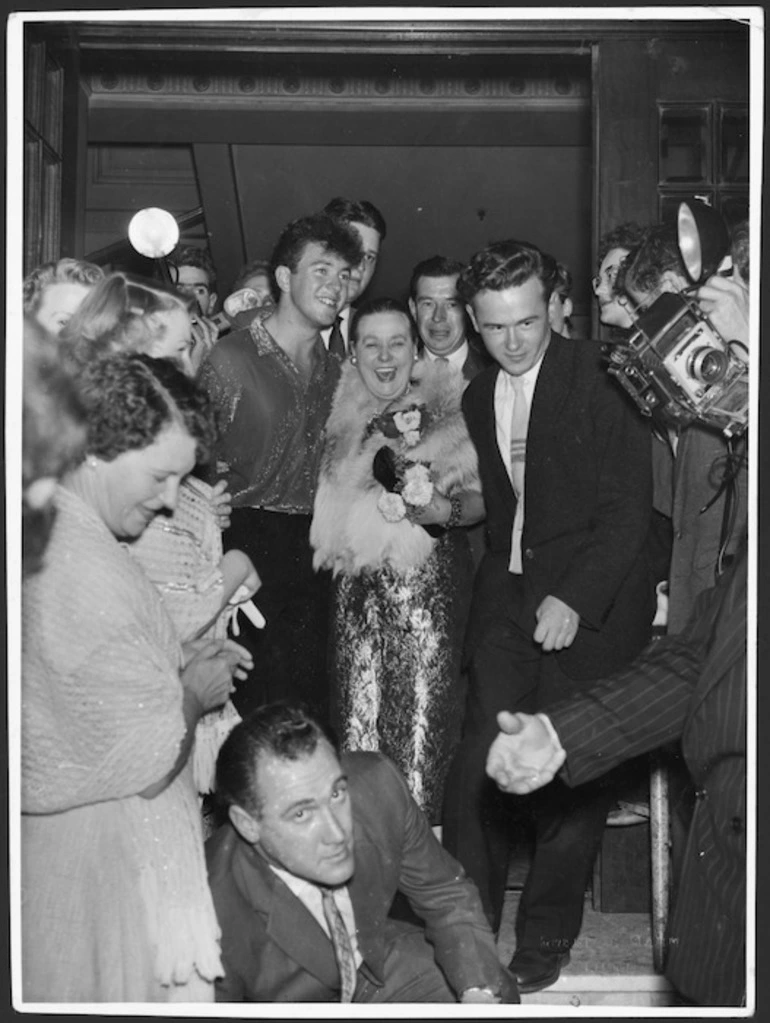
[[407, 484], [406, 424]]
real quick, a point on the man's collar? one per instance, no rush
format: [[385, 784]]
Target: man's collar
[[458, 356]]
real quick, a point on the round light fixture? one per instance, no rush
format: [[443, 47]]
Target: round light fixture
[[153, 232]]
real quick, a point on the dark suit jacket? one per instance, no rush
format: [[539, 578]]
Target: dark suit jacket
[[588, 501], [477, 359], [274, 950], [691, 685]]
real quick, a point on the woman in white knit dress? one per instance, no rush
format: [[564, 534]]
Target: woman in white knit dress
[[115, 902]]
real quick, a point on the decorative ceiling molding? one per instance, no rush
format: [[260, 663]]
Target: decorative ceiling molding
[[512, 90]]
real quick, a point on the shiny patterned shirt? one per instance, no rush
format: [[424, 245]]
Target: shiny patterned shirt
[[271, 422]]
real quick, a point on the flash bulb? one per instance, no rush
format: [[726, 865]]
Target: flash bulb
[[153, 232]]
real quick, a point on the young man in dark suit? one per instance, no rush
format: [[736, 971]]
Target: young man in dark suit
[[689, 686], [304, 874], [564, 593]]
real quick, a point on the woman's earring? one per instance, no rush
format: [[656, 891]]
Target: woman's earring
[[91, 461], [353, 359]]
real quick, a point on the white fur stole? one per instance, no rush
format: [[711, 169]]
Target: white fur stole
[[348, 532]]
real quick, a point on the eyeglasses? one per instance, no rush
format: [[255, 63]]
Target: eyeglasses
[[609, 275]]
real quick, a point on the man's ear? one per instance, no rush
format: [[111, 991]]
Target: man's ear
[[246, 825], [413, 309], [282, 276], [211, 304], [567, 307], [472, 315]]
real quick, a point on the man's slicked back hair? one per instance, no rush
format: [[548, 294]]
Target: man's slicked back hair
[[276, 731]]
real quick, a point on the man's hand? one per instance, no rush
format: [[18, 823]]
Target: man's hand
[[725, 300], [557, 624], [523, 757]]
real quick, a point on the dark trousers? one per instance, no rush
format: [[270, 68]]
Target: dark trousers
[[508, 671], [290, 653]]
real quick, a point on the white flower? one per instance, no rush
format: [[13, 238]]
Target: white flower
[[418, 492], [416, 472], [391, 506], [407, 421], [411, 438]]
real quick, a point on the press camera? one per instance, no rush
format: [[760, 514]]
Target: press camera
[[676, 360]]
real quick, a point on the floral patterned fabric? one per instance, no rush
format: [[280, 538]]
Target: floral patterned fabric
[[396, 665]]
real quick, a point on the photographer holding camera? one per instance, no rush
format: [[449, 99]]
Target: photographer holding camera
[[709, 476]]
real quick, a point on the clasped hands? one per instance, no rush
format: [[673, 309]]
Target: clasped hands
[[524, 756]]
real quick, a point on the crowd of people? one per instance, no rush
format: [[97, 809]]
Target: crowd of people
[[299, 654]]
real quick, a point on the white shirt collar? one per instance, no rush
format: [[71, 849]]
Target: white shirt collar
[[456, 358]]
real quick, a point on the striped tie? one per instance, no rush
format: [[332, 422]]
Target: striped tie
[[519, 421], [343, 950]]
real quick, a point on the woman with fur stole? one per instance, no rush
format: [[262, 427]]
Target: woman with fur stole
[[398, 476]]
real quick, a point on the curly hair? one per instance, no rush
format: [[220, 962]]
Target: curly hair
[[434, 266], [119, 315], [644, 266], [507, 264], [131, 398], [625, 236], [62, 271], [357, 211], [334, 235], [275, 730], [372, 306]]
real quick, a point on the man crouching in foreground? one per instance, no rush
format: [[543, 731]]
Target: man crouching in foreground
[[304, 873]]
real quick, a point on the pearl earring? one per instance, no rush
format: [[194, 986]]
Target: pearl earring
[[353, 360], [91, 461]]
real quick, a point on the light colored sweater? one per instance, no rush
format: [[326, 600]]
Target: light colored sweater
[[115, 901]]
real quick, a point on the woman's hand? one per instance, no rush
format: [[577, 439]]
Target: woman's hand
[[221, 503], [435, 513], [210, 667], [204, 336]]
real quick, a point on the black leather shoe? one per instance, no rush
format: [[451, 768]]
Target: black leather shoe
[[535, 970]]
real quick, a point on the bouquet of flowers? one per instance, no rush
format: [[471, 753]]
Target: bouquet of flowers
[[407, 484], [405, 425]]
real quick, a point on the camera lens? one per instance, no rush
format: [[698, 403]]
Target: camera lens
[[708, 365]]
